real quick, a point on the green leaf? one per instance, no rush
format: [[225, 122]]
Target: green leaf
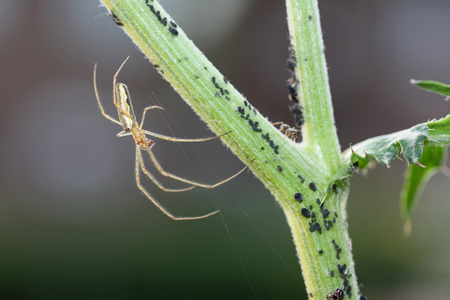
[[383, 149], [433, 86], [416, 177], [439, 130], [424, 147]]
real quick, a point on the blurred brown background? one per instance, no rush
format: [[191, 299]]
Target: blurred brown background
[[73, 224]]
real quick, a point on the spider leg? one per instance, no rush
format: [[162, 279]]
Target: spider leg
[[169, 138], [277, 123], [155, 202], [147, 109], [207, 186], [152, 178], [174, 139], [98, 99], [124, 133], [115, 81]]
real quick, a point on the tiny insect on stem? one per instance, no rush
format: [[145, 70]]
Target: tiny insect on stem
[[290, 132]]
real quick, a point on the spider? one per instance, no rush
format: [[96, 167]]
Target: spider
[[338, 294], [288, 131], [127, 120]]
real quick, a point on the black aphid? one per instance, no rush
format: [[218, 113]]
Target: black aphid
[[306, 213], [315, 226], [173, 31], [298, 197]]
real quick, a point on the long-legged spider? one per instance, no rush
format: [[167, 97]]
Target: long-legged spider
[[127, 119]]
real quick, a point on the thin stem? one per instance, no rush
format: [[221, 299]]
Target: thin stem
[[321, 271], [319, 131]]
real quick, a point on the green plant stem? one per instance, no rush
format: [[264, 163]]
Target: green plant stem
[[298, 175], [319, 131]]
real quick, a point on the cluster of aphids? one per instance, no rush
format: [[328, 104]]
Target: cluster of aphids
[[162, 20], [292, 84], [325, 220], [339, 294], [255, 126], [116, 19], [314, 224], [345, 275], [223, 92]]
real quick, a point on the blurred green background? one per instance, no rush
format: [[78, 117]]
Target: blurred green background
[[73, 225]]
